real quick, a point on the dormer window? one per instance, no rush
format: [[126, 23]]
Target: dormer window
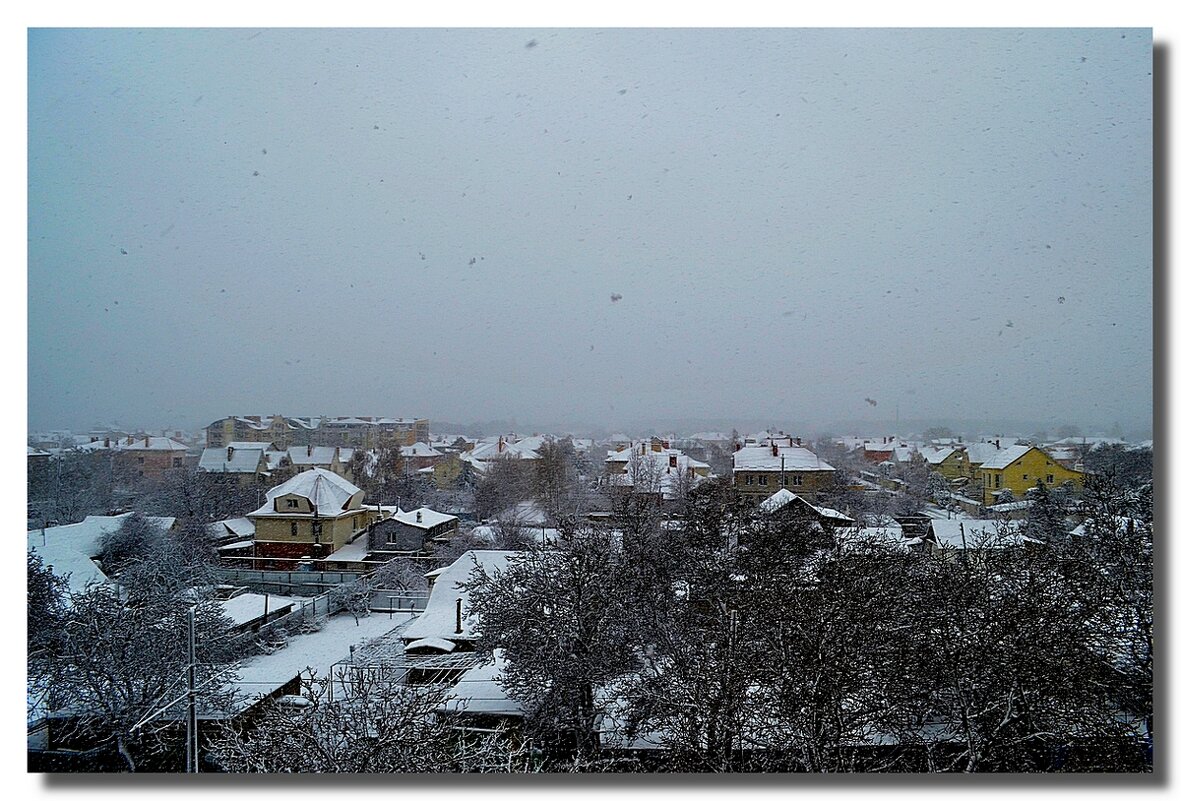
[[292, 503]]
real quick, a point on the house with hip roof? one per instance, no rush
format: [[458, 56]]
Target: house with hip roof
[[781, 463], [149, 458], [310, 516]]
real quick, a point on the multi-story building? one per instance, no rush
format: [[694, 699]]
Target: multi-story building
[[150, 457], [1019, 468], [344, 432], [312, 515], [781, 463]]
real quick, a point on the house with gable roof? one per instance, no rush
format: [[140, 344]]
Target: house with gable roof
[[1018, 468], [950, 462], [244, 461]]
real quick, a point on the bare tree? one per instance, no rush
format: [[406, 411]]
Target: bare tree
[[117, 668], [566, 634], [375, 726]]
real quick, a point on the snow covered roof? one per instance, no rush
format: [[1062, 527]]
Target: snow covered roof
[[419, 449], [37, 451], [784, 497], [71, 549], [316, 455], [153, 444], [760, 457], [432, 643], [779, 500], [659, 460], [438, 619], [980, 452], [326, 491], [423, 517], [241, 460], [259, 676], [238, 527], [1003, 458], [354, 551], [936, 455], [977, 533], [502, 449], [480, 691]]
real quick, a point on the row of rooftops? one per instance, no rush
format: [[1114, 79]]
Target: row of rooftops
[[265, 422]]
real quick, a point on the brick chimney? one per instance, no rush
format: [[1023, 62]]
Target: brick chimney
[[309, 449], [774, 448], [230, 453], [418, 516]]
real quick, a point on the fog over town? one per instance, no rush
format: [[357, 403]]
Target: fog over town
[[592, 229]]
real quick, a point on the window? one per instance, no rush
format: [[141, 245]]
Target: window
[[672, 460], [1049, 478], [998, 479], [294, 529], [140, 460], [176, 461], [750, 479], [292, 503], [797, 480], [1025, 476], [763, 480]]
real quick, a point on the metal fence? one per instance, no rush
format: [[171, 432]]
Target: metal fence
[[403, 601], [286, 582]]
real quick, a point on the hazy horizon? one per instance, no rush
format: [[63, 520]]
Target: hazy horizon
[[595, 226]]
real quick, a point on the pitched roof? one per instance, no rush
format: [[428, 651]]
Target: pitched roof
[[71, 549], [321, 454], [154, 444], [244, 460], [327, 492], [422, 517], [1003, 458], [419, 449], [936, 455], [438, 619], [975, 533], [760, 457]]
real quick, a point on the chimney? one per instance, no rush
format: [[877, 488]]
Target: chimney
[[106, 442], [774, 449], [459, 616], [418, 516], [147, 442], [309, 449], [230, 453]]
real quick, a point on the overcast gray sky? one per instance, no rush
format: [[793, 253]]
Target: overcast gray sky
[[954, 223]]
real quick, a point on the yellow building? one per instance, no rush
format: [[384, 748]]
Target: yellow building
[[312, 515], [1019, 468], [951, 463]]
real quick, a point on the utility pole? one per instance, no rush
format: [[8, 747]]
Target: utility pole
[[191, 739]]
